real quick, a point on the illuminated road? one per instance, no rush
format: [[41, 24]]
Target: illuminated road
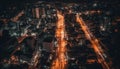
[[60, 61], [35, 59], [95, 43], [16, 18]]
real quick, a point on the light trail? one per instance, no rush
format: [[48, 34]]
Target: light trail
[[60, 61], [95, 43]]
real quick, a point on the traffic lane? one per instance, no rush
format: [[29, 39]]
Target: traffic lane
[[95, 44], [60, 62]]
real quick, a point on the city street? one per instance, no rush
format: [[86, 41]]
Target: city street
[[95, 43], [60, 61]]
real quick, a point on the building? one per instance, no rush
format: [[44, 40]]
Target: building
[[48, 44]]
